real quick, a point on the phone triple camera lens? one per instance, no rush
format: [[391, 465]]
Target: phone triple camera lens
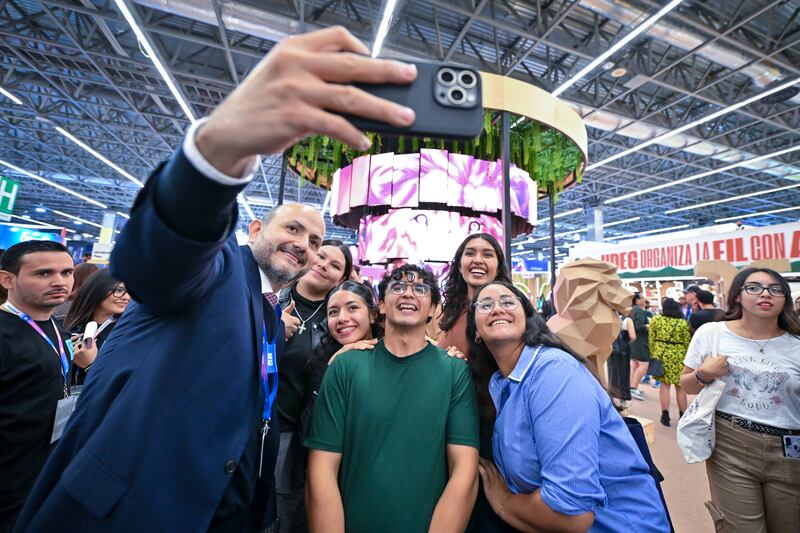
[[456, 95], [447, 76], [466, 79]]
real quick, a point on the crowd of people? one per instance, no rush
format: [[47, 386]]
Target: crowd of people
[[200, 385]]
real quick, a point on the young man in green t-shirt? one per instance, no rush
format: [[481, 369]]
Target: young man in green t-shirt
[[394, 438]]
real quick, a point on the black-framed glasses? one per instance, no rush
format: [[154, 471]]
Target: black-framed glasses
[[757, 289], [484, 306], [119, 292], [399, 287]]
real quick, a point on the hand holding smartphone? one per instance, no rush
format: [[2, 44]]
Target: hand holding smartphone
[[447, 100]]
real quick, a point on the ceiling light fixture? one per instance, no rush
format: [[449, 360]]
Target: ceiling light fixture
[[641, 28], [383, 29], [77, 219], [151, 54], [760, 213], [53, 184], [246, 206], [123, 215], [702, 175], [10, 96], [559, 215], [698, 122], [97, 155], [648, 232], [619, 222], [732, 198], [29, 219]]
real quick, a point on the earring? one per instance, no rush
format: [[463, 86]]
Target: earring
[[477, 340]]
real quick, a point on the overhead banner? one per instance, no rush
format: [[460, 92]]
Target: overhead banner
[[679, 256]]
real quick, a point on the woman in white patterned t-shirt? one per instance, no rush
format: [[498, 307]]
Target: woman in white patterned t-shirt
[[754, 472]]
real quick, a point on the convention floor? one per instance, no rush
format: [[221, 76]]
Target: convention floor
[[685, 486]]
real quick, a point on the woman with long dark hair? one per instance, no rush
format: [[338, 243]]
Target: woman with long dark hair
[[669, 340], [640, 348], [564, 459], [352, 324], [101, 299], [754, 471], [478, 260]]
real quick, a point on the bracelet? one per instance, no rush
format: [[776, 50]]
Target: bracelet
[[701, 381]]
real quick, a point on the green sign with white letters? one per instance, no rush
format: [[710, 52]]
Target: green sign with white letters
[[8, 195]]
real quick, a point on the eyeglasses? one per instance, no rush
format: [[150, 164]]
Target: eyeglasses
[[119, 292], [399, 287], [484, 306], [757, 289]]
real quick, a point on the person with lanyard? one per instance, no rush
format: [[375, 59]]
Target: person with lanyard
[[303, 307], [564, 459], [35, 357], [101, 300], [754, 470], [394, 433], [174, 430]]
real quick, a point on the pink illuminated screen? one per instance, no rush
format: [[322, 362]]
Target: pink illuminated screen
[[419, 235]]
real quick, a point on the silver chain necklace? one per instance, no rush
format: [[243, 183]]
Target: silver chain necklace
[[760, 346], [302, 327]]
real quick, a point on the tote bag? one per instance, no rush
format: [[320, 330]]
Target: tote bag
[[696, 435]]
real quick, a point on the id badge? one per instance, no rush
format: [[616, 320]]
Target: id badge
[[791, 446], [64, 410]]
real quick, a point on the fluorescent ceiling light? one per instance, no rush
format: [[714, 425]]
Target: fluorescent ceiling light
[[326, 203], [98, 155], [53, 184], [151, 53], [648, 232], [123, 215], [10, 96], [29, 219], [256, 200], [77, 219], [243, 201], [702, 174], [383, 29], [562, 234], [559, 215], [641, 28], [698, 122], [732, 198], [770, 212], [618, 222]]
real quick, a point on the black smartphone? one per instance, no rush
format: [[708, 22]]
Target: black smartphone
[[447, 100]]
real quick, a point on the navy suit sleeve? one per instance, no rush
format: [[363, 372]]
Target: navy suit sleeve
[[168, 254]]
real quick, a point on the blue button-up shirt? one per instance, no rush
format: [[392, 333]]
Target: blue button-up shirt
[[557, 430]]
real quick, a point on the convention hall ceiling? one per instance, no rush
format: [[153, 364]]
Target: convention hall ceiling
[[78, 70]]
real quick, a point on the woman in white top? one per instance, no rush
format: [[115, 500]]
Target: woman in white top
[[754, 472]]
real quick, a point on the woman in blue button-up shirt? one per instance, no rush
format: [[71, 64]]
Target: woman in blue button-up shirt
[[565, 460]]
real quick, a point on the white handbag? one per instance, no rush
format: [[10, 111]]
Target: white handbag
[[696, 435]]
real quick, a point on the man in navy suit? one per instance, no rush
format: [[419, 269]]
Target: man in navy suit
[[172, 431]]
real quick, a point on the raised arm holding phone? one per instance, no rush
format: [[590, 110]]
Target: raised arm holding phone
[[174, 430]]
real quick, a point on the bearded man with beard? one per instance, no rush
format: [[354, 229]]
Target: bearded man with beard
[[175, 428]]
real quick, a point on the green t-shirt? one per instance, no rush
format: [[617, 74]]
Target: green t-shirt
[[391, 418]]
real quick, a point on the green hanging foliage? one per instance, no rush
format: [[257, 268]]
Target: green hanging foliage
[[549, 156]]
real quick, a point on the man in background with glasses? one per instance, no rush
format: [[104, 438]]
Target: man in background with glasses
[[394, 439]]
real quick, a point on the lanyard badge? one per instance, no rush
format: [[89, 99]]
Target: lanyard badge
[[62, 355], [269, 381]]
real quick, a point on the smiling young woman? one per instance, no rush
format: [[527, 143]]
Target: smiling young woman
[[564, 459], [754, 471]]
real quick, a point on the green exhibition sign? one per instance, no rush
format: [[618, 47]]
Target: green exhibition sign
[[8, 195]]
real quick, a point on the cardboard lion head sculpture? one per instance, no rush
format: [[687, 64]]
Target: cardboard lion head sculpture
[[588, 295]]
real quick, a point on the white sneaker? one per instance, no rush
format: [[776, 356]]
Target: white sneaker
[[639, 395]]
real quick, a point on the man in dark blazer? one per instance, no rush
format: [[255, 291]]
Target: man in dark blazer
[[169, 433]]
